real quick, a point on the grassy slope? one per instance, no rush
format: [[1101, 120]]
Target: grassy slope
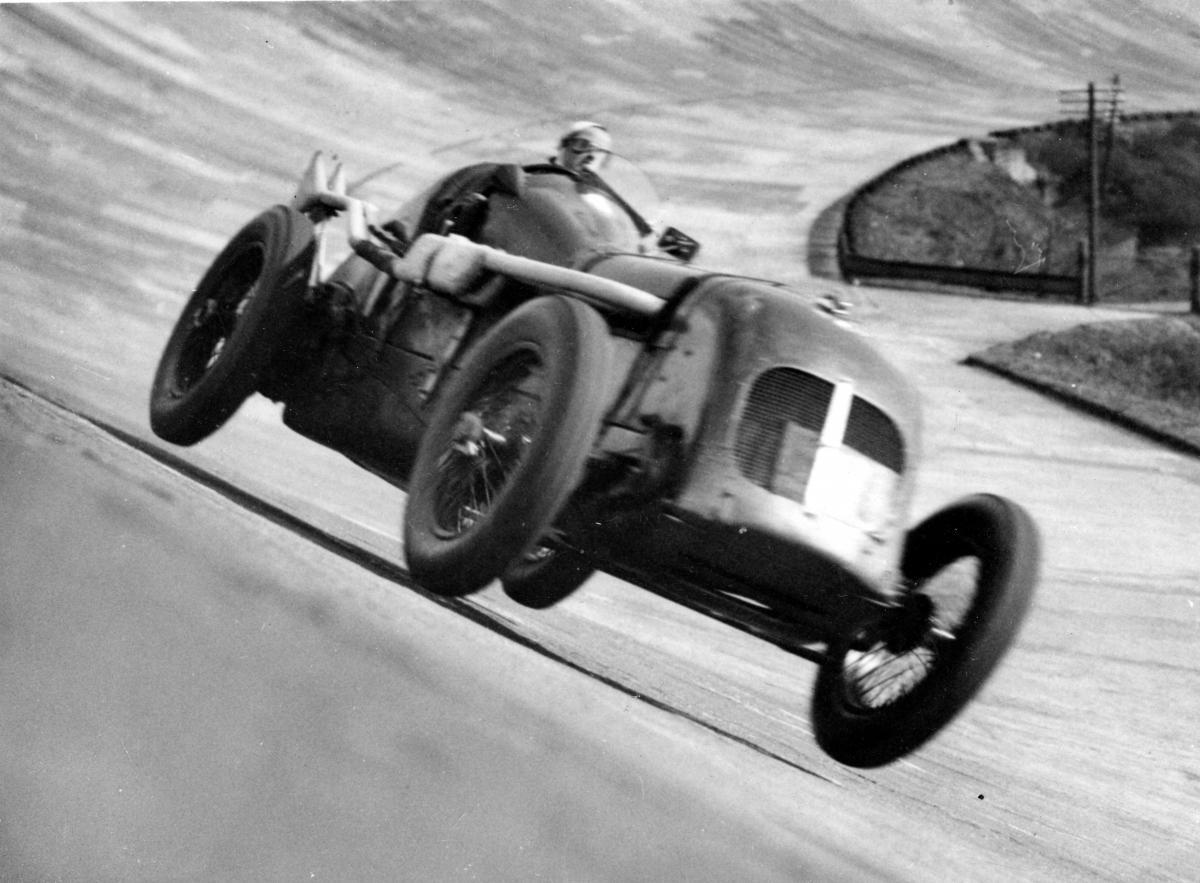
[[1144, 373], [945, 212]]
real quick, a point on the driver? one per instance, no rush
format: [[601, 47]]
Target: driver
[[584, 148], [460, 205]]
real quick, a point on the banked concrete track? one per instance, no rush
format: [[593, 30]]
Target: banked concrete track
[[211, 668]]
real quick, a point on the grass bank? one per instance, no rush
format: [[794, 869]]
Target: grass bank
[[1142, 373]]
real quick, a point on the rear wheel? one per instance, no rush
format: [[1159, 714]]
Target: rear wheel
[[545, 575], [971, 568], [507, 444], [243, 311]]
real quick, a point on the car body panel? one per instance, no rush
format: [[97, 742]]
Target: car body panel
[[729, 333]]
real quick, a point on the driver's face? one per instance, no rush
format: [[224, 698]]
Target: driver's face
[[584, 150]]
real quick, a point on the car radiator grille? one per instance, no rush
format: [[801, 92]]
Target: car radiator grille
[[781, 425], [872, 433], [779, 397]]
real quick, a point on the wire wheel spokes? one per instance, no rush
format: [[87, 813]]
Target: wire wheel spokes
[[489, 442], [909, 651], [215, 319]]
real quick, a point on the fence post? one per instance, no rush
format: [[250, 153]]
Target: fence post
[[1194, 280], [1085, 273]]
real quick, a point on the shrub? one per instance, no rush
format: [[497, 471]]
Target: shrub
[[1150, 177]]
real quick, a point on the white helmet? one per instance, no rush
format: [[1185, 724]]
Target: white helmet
[[586, 145]]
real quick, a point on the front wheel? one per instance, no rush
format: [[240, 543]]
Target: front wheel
[[971, 570], [233, 326], [507, 444]]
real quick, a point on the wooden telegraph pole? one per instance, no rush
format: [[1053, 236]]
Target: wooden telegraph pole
[[1093, 221], [1070, 100]]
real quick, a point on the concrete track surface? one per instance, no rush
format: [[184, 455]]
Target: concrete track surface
[[211, 665]]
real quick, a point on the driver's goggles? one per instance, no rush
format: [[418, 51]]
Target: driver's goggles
[[583, 145]]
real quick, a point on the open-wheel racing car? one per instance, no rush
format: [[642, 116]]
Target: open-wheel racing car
[[560, 390]]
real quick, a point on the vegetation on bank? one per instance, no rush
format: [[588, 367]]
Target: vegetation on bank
[[1020, 205], [1145, 372], [1150, 175], [959, 212]]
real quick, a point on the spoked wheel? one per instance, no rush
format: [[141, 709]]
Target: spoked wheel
[[545, 575], [243, 311], [507, 444], [971, 570]]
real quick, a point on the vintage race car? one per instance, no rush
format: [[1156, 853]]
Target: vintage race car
[[561, 390]]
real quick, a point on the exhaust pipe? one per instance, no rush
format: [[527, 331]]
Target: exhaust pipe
[[452, 265]]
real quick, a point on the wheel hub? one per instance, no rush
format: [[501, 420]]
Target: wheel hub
[[908, 623], [470, 434]]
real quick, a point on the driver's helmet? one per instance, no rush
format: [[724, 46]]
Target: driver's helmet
[[585, 146]]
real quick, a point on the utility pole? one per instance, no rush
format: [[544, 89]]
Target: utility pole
[[1093, 221], [1073, 102], [1110, 130]]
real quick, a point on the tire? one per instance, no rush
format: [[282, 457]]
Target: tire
[[515, 424], [245, 308], [971, 568], [545, 575]]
